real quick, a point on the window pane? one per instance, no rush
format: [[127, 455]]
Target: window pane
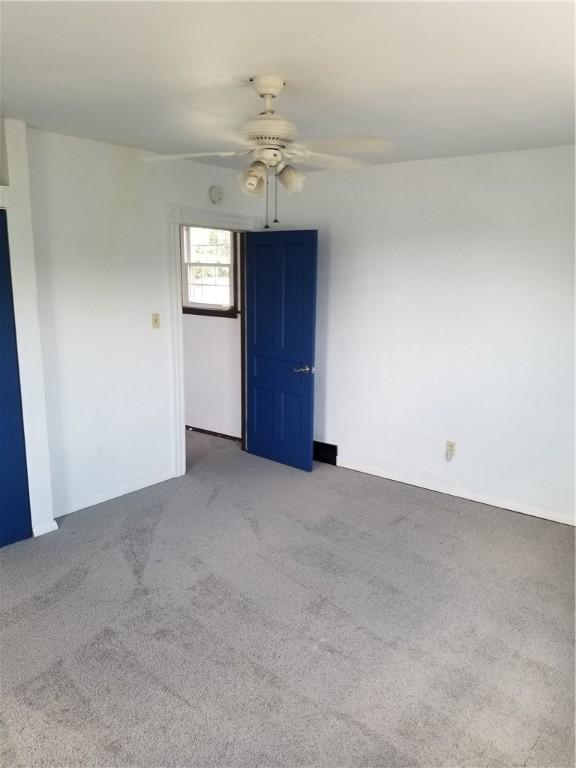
[[207, 256]]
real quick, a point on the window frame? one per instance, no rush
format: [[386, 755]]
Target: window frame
[[233, 310]]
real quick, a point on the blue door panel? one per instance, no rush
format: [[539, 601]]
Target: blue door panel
[[295, 297], [15, 522], [280, 328], [293, 409], [263, 412], [266, 275]]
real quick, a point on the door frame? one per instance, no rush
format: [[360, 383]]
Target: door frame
[[177, 216]]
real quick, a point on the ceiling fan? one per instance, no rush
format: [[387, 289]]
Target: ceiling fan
[[268, 140]]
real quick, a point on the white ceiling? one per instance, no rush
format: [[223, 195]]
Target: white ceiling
[[437, 79]]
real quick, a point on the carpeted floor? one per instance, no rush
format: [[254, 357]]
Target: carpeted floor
[[253, 615]]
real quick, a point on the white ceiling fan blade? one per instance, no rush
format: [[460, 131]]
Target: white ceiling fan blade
[[368, 147], [323, 160], [192, 156], [215, 128]]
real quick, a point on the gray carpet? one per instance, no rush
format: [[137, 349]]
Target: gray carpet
[[253, 615]]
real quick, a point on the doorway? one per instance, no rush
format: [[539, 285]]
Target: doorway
[[253, 386], [212, 329]]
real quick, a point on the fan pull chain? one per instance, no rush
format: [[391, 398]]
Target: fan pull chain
[[267, 226], [275, 199]]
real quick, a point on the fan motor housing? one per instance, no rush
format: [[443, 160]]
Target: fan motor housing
[[269, 130], [270, 156]]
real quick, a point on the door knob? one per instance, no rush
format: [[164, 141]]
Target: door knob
[[305, 369]]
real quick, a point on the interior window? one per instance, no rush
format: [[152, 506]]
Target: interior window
[[208, 271]]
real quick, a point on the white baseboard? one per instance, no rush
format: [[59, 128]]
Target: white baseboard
[[112, 493], [47, 527], [462, 493], [506, 504]]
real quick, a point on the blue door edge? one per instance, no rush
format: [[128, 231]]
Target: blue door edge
[[16, 517]]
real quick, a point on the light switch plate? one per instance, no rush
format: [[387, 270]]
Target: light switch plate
[[155, 319]]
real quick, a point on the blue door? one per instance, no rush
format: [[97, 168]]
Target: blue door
[[15, 521], [280, 326]]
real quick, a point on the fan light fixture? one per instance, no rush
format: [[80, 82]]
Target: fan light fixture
[[253, 179], [291, 179], [267, 142]]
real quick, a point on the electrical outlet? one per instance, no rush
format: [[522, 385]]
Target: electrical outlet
[[450, 450], [155, 319]]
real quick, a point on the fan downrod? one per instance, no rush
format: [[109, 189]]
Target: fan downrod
[[268, 87]]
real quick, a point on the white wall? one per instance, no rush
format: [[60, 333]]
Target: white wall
[[212, 373], [102, 253], [445, 312]]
